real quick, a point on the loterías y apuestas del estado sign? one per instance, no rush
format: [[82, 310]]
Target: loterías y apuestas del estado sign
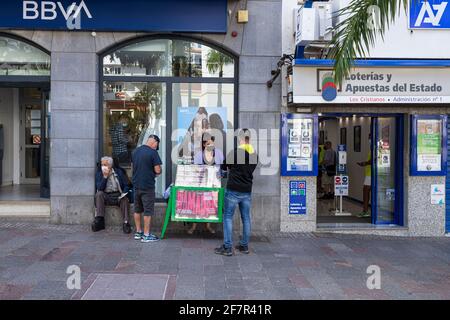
[[116, 15], [372, 85]]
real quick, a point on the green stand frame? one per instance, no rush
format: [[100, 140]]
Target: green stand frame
[[170, 211]]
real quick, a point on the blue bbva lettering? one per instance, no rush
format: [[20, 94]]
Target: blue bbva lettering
[[49, 10]]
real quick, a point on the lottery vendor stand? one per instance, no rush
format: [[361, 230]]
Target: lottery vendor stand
[[197, 196]]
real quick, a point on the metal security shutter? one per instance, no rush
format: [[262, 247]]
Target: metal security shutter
[[447, 183]]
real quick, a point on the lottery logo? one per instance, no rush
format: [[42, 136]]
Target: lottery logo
[[329, 89]]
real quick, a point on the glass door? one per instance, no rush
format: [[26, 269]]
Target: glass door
[[386, 173], [31, 120], [45, 145]]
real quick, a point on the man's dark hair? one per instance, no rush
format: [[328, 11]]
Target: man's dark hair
[[244, 134]]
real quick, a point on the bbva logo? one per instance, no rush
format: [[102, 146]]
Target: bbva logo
[[48, 10], [427, 13]]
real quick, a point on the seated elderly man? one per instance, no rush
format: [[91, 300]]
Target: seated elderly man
[[112, 186]]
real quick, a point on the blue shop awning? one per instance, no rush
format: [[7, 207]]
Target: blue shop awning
[[410, 63]]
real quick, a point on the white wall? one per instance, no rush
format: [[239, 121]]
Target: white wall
[[330, 127]]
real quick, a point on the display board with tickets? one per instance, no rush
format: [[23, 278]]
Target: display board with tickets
[[197, 195], [299, 142], [203, 176]]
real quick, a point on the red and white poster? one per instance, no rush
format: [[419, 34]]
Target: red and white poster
[[197, 205]]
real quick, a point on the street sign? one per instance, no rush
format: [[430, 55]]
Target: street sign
[[341, 185]]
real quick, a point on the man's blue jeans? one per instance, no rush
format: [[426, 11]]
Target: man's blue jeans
[[232, 200]]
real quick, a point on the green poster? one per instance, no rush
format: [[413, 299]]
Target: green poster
[[429, 145], [429, 137]]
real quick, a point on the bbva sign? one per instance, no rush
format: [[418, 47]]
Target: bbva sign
[[116, 15], [49, 10]]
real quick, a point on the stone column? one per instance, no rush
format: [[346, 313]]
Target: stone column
[[74, 127]]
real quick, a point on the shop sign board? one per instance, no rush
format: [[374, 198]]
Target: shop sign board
[[313, 84], [297, 197], [116, 15], [430, 14], [341, 185]]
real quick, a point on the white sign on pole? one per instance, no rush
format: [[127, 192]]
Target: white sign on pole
[[341, 185]]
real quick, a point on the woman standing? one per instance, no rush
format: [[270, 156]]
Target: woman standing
[[210, 155]]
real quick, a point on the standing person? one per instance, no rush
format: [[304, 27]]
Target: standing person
[[119, 139], [367, 187], [146, 167], [241, 164], [112, 186], [210, 155], [329, 163]]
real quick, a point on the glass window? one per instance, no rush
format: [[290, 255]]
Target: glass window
[[131, 112], [166, 58], [199, 108], [134, 109], [18, 58]]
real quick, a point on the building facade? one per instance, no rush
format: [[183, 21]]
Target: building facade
[[91, 77], [68, 97], [378, 114]]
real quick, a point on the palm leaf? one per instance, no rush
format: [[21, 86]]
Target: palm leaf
[[356, 34]]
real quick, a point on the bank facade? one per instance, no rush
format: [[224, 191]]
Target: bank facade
[[64, 94], [71, 86]]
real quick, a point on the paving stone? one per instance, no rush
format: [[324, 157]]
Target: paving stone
[[120, 286], [33, 265]]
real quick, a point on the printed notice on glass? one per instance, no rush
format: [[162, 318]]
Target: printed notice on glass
[[429, 145], [300, 147]]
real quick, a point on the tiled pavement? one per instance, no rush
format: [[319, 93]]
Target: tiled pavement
[[34, 259]]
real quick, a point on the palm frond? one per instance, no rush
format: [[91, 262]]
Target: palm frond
[[358, 31]]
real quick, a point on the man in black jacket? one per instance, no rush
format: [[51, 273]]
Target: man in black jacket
[[112, 186], [241, 164]]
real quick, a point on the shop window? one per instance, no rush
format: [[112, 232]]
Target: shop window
[[18, 58], [130, 116], [195, 81], [167, 58], [214, 115]]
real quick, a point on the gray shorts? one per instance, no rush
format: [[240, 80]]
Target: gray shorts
[[144, 202]]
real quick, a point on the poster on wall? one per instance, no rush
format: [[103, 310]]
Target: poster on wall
[[300, 147], [429, 145], [299, 144], [192, 123]]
